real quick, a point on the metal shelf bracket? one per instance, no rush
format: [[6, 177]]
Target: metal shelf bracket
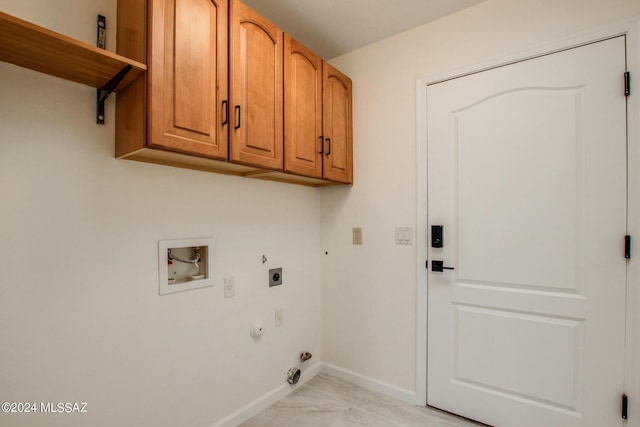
[[106, 90]]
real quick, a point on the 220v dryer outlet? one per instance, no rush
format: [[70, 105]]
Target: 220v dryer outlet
[[275, 277]]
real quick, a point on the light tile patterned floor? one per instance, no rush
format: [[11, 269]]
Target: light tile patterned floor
[[329, 401]]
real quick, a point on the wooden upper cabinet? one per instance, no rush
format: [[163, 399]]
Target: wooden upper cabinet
[[302, 110], [215, 96], [317, 116], [337, 126], [180, 105], [188, 69], [256, 82]]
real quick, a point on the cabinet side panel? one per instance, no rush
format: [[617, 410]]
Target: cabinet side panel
[[131, 129], [131, 40], [131, 35]]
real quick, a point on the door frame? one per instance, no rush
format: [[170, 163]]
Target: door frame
[[631, 29]]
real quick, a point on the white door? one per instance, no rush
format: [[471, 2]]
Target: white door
[[527, 176]]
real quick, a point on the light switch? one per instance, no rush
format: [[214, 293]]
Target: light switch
[[404, 236], [229, 287], [357, 235]]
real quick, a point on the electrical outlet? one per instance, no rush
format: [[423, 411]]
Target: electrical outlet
[[229, 287], [279, 317], [357, 235], [275, 277]]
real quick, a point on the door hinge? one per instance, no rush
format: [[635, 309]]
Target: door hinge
[[625, 407], [627, 246], [627, 84]]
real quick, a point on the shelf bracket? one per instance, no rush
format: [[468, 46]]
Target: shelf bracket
[[106, 90]]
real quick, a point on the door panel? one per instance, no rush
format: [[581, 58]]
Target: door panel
[[546, 189], [188, 75], [337, 126], [256, 89], [302, 110], [527, 174], [503, 364], [191, 66]]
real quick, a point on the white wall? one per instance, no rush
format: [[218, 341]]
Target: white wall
[[369, 292], [80, 315]]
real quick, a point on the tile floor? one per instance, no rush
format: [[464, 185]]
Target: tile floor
[[329, 401]]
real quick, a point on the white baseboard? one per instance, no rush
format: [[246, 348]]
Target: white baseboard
[[370, 383], [258, 405], [253, 408]]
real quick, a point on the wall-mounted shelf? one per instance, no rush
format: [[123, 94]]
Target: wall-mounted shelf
[[31, 46]]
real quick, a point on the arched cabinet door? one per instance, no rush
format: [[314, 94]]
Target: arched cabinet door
[[302, 110], [256, 80], [188, 90], [337, 126]]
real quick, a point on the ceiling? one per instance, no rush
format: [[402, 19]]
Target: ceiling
[[333, 27]]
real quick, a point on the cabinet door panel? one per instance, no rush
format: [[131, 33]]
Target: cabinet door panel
[[338, 133], [192, 66], [189, 76], [256, 89], [302, 110]]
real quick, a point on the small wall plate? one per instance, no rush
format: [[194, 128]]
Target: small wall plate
[[275, 277]]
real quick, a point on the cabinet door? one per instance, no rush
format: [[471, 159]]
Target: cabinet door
[[256, 89], [302, 110], [337, 124], [188, 57]]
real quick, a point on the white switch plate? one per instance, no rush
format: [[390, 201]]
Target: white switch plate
[[357, 235], [279, 317], [404, 236], [229, 287]]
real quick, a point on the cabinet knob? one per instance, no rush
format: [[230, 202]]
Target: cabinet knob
[[328, 146]]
